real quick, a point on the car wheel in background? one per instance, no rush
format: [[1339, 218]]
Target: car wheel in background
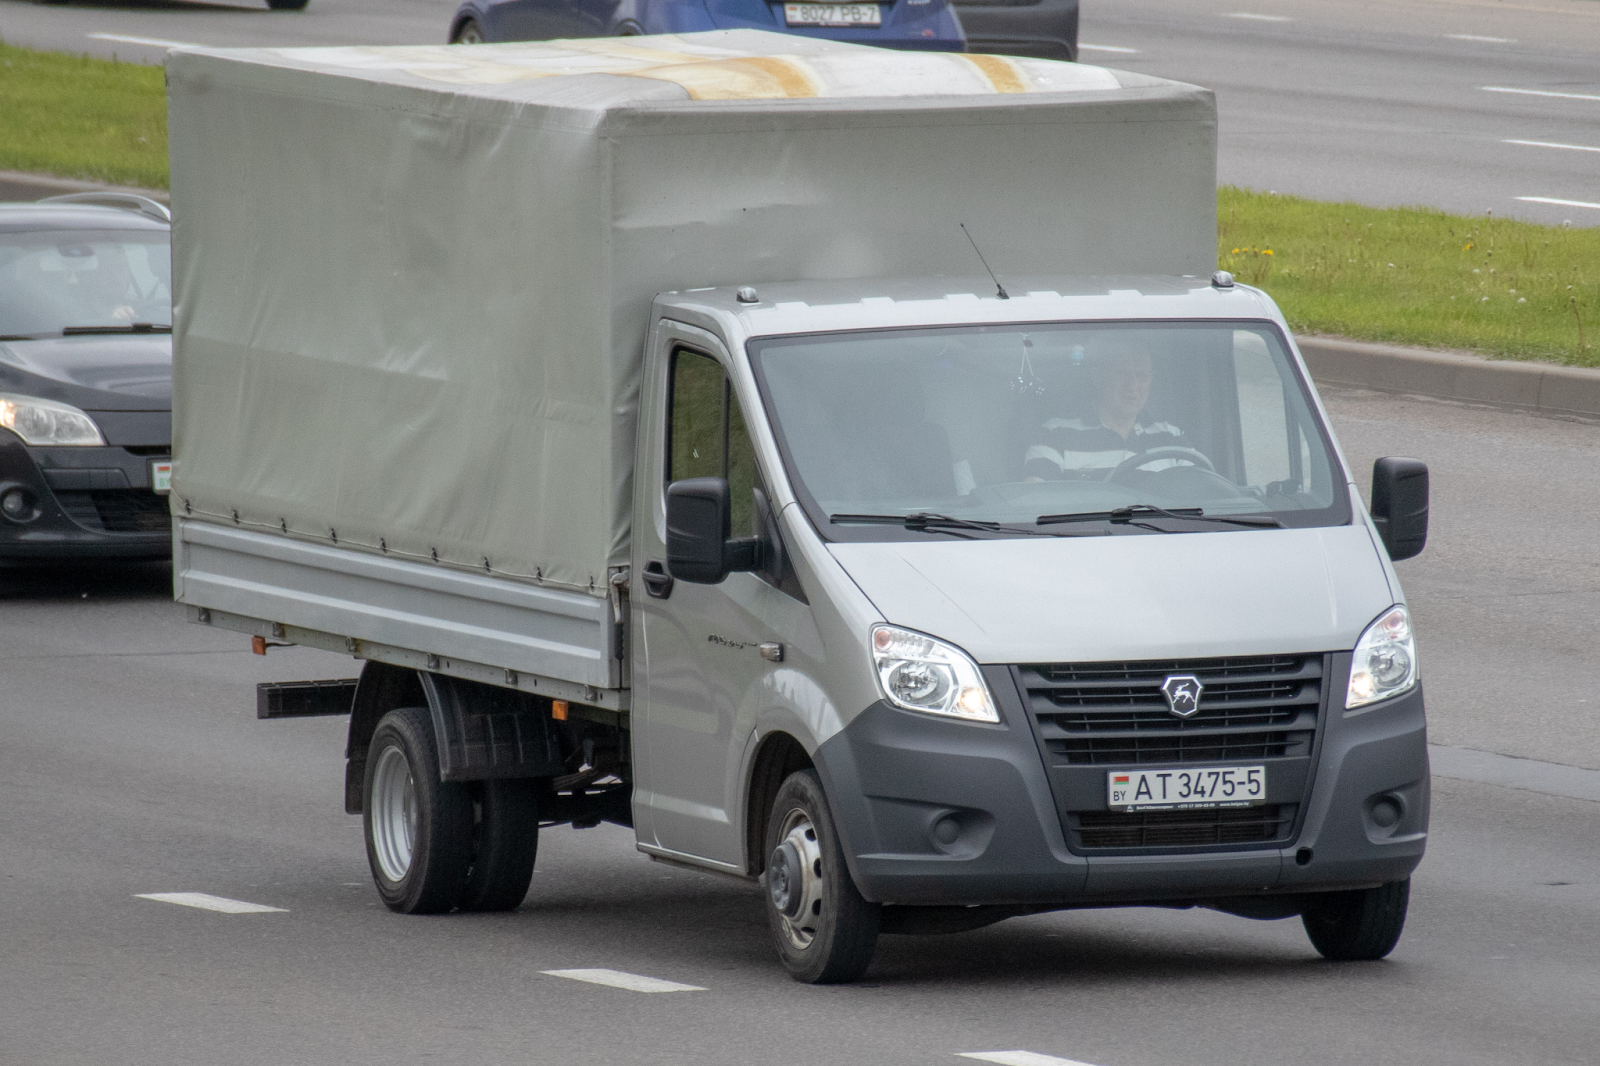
[[469, 32]]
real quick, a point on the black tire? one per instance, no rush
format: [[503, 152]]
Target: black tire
[[1357, 926], [505, 845], [407, 808], [287, 5], [469, 32], [841, 928]]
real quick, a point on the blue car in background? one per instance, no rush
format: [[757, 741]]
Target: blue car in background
[[918, 24]]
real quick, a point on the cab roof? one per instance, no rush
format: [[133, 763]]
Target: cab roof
[[825, 306]]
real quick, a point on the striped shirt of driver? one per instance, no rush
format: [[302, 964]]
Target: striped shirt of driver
[[1073, 449]]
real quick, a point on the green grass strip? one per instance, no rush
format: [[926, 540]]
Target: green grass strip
[[1403, 275], [78, 117], [1513, 290]]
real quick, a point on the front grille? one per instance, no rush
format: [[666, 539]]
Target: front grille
[[117, 510], [1114, 713], [1140, 751], [1099, 830]]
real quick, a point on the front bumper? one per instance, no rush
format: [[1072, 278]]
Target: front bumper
[[1047, 29], [892, 776], [87, 503]]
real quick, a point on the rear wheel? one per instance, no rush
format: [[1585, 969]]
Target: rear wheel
[[1361, 925], [824, 930], [419, 829], [469, 32], [506, 843]]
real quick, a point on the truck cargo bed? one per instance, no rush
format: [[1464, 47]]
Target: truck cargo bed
[[501, 632]]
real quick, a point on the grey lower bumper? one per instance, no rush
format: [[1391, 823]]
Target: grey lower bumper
[[893, 776]]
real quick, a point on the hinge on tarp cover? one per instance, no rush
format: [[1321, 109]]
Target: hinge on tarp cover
[[619, 609]]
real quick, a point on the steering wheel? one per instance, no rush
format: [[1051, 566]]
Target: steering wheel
[[1189, 456]]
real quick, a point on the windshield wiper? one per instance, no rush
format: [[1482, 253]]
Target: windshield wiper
[[928, 522], [1128, 515], [137, 327], [22, 336]]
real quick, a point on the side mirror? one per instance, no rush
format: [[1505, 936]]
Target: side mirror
[[699, 518], [1400, 505]]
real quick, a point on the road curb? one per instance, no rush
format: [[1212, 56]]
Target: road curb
[[1544, 388], [20, 185]]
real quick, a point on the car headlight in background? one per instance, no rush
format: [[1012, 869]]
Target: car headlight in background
[[1385, 662], [47, 422], [920, 673]]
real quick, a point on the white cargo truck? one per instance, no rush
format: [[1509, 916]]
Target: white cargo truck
[[642, 414]]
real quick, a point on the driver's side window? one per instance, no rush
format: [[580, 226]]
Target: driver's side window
[[706, 434]]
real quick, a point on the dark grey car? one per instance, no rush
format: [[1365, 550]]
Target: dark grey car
[[85, 378], [1046, 29]]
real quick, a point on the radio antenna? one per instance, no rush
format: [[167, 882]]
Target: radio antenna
[[1000, 290]]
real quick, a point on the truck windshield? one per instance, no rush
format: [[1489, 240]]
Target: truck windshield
[[1074, 424], [55, 281]]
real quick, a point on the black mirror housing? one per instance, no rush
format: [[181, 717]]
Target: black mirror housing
[[699, 517], [1400, 505]]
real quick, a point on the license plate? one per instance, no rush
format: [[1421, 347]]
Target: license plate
[[832, 15], [161, 476], [1189, 789]]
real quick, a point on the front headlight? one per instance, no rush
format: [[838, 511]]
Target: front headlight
[[919, 673], [46, 421], [1385, 662]]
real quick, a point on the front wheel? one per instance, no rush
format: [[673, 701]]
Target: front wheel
[[824, 930], [1357, 926], [469, 32]]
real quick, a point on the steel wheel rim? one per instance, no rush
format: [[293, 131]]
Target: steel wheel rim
[[799, 831], [394, 814]]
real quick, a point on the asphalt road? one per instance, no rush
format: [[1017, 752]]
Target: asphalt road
[[131, 763], [1465, 105], [1378, 101]]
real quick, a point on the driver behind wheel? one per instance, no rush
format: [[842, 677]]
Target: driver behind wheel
[[1091, 445]]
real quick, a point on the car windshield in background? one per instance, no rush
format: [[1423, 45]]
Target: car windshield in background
[[57, 281], [1102, 427]]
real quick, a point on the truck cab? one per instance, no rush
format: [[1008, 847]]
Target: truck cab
[[1062, 599]]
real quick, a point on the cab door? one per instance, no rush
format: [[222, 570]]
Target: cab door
[[702, 661]]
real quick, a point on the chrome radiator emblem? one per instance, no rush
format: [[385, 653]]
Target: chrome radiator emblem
[[1183, 694]]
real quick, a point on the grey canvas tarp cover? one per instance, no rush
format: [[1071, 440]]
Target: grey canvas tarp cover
[[413, 283]]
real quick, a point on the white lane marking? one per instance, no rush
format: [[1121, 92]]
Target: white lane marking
[[153, 42], [1020, 1058], [1558, 203], [1257, 18], [618, 979], [220, 904], [1107, 48], [1553, 144], [1539, 92], [1484, 40]]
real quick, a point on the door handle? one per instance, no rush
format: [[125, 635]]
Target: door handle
[[657, 582]]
